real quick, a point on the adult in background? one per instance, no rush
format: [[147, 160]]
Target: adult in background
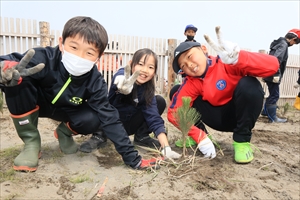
[[279, 49]]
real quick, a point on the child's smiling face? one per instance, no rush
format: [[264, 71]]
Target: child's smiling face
[[193, 62], [79, 47], [147, 69]]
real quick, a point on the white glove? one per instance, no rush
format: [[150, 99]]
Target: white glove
[[227, 51], [167, 152], [297, 85], [125, 83], [207, 148], [276, 79]]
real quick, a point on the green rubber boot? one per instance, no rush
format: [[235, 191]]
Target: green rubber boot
[[26, 126], [65, 138]]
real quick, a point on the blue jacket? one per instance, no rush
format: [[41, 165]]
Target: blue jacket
[[128, 105]]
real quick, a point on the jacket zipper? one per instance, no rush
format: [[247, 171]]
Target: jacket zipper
[[61, 90]]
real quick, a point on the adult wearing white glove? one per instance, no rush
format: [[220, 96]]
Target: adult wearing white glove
[[167, 152], [125, 83], [207, 148], [227, 51]]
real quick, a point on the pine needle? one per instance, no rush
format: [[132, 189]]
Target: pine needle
[[186, 116]]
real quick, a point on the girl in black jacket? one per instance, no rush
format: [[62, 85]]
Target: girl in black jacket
[[139, 108]]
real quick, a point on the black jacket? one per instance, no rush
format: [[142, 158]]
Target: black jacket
[[90, 87], [61, 89], [279, 49]]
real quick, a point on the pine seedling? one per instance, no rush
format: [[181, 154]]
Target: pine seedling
[[286, 108], [186, 116]]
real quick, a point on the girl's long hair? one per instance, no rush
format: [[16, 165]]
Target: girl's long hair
[[149, 86]]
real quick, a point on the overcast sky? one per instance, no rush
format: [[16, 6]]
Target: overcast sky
[[251, 24]]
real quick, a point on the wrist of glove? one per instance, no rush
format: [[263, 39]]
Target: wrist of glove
[[227, 51], [276, 79], [167, 152], [207, 148]]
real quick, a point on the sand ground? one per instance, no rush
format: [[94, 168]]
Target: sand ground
[[273, 174]]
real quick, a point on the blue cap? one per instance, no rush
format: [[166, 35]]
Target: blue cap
[[190, 26]]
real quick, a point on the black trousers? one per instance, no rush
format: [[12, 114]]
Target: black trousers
[[239, 114], [82, 119], [26, 96], [137, 123]]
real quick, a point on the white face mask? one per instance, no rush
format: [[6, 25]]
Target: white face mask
[[76, 65]]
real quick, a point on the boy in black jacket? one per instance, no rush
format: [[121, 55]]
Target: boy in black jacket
[[69, 89]]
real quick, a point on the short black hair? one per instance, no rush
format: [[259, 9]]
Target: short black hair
[[290, 36], [91, 31]]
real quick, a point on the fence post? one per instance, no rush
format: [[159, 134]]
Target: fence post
[[172, 44], [44, 34], [262, 51]]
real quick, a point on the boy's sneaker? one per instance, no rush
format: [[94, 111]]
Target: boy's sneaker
[[96, 141], [243, 152], [146, 141]]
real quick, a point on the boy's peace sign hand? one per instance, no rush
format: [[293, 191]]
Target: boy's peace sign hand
[[125, 83], [227, 51], [11, 72]]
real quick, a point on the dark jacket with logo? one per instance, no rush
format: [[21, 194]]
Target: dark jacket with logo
[[60, 89], [279, 49], [128, 105]]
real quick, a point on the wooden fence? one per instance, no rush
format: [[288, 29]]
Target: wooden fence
[[19, 35]]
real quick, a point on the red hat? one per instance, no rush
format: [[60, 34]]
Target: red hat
[[295, 32]]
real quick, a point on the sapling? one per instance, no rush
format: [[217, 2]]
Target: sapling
[[286, 108], [186, 116]]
